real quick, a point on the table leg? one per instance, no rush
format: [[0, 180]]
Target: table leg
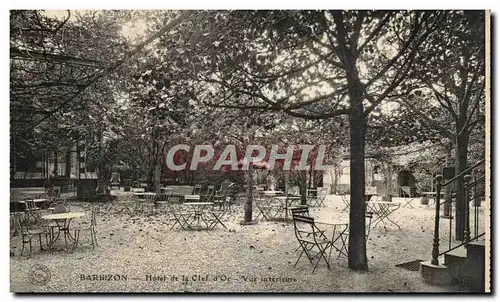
[[67, 235], [53, 238]]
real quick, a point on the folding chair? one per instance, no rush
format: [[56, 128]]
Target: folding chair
[[197, 190], [383, 211], [217, 216], [209, 195], [125, 204], [304, 211], [219, 199], [311, 195], [313, 246], [179, 216], [406, 191], [347, 202], [268, 208], [149, 203], [322, 193], [162, 201]]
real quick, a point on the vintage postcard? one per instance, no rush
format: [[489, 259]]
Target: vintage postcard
[[250, 151]]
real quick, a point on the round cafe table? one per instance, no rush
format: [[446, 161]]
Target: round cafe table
[[63, 221]]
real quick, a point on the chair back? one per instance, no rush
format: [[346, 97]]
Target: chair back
[[210, 190], [30, 205], [303, 225], [312, 192], [197, 190], [300, 211], [71, 187], [406, 190], [115, 178], [224, 185], [52, 193], [165, 196], [59, 208], [22, 225], [150, 198]]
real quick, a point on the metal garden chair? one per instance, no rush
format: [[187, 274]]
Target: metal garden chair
[[209, 195], [318, 199], [314, 245], [179, 216], [162, 201], [125, 204], [217, 216], [406, 191], [88, 227], [28, 234], [197, 190], [347, 202]]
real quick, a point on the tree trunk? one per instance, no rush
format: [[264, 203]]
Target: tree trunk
[[157, 177], [357, 245], [56, 167], [336, 176], [461, 202], [388, 179], [303, 188], [68, 164], [79, 189], [447, 193], [310, 178], [248, 204]]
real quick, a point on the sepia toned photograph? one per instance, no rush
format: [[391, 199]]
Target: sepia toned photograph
[[250, 151]]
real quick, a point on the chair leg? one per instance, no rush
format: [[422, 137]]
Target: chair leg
[[77, 237], [40, 241], [22, 250], [95, 237], [92, 240], [322, 255]]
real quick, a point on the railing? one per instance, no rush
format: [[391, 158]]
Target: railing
[[468, 188]]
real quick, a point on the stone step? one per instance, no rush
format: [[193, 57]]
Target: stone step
[[476, 249], [435, 274], [476, 265], [457, 256]]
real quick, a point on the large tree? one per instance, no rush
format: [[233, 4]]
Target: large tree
[[312, 65], [447, 89]]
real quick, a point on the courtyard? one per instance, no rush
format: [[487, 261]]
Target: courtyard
[[143, 255]]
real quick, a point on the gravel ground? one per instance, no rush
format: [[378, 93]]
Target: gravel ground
[[256, 258]]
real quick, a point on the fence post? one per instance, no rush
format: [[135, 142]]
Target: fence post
[[466, 204], [435, 245]]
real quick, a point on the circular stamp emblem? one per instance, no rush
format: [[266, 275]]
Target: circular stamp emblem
[[39, 274]]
